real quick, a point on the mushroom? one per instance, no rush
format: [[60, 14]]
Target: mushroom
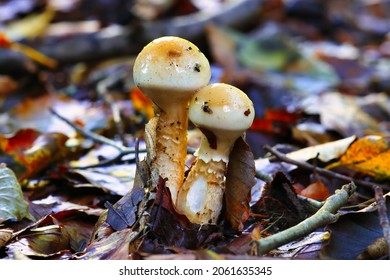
[[222, 113], [169, 70]]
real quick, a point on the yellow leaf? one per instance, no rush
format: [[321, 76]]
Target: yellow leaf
[[369, 155], [31, 26]]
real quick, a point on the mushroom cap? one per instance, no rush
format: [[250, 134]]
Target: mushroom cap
[[170, 68], [222, 109]]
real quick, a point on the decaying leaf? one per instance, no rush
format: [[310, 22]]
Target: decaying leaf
[[113, 247], [308, 247], [240, 179], [28, 152], [12, 204], [357, 234], [123, 213], [52, 236], [173, 229], [5, 236], [351, 235], [279, 204], [369, 155], [115, 179]]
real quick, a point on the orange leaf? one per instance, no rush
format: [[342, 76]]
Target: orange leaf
[[316, 190], [141, 103], [4, 41], [20, 140], [29, 152], [369, 155]]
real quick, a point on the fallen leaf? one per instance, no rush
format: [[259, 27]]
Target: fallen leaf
[[12, 204], [173, 229], [279, 206], [240, 179], [53, 235], [30, 26], [369, 155], [113, 247], [351, 235], [308, 247], [29, 152], [341, 113], [115, 179], [123, 213], [356, 232], [141, 103], [316, 190], [5, 236], [324, 152]]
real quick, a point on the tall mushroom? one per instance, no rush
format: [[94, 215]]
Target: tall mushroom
[[222, 113], [169, 70]]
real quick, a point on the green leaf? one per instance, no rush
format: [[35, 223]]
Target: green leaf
[[12, 204]]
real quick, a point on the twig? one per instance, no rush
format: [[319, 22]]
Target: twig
[[311, 202], [326, 214], [383, 218], [321, 171], [94, 136], [100, 139]]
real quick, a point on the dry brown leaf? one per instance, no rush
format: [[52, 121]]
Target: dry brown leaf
[[240, 179]]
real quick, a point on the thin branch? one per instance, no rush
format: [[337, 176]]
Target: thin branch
[[325, 215], [94, 136], [311, 202], [383, 218], [325, 172]]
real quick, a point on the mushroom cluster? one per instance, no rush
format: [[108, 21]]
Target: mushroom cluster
[[175, 75]]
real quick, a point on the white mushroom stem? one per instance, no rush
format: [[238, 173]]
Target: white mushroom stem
[[222, 113], [169, 70]]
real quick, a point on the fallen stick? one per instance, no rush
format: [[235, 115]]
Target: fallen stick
[[325, 215]]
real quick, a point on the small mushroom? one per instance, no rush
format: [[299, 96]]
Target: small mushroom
[[222, 113], [169, 70]]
